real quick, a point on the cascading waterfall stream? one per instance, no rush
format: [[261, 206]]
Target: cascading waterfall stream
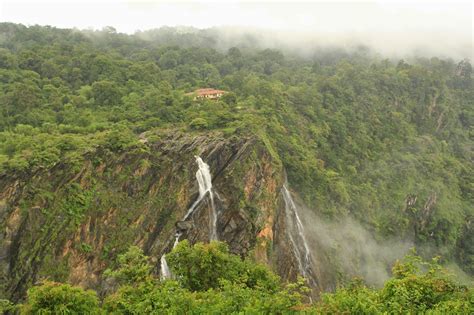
[[296, 234], [165, 272], [204, 179], [176, 240]]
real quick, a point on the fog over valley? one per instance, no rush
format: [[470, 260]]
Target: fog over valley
[[391, 28]]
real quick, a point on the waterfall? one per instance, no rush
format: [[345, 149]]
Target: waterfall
[[203, 176], [204, 179], [176, 240], [296, 234], [165, 272]]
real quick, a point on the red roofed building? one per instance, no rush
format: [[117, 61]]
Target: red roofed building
[[208, 93]]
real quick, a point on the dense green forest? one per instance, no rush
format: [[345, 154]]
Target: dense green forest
[[385, 142], [209, 280]]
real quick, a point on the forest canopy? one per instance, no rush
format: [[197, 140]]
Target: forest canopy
[[237, 287]]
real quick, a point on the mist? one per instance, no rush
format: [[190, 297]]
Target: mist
[[356, 250], [350, 249], [421, 28], [345, 247], [307, 44]]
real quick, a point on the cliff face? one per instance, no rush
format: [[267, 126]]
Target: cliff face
[[69, 223]]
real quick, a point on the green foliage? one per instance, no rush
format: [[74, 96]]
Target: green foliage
[[76, 202], [7, 306], [245, 288], [56, 298], [133, 267], [120, 138], [86, 248], [229, 98], [210, 280], [354, 299], [149, 298], [106, 93], [415, 291], [204, 266], [416, 287], [198, 124]]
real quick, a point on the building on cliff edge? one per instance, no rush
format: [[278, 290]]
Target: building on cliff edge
[[208, 93]]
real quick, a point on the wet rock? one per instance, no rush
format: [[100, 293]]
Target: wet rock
[[230, 226], [182, 226]]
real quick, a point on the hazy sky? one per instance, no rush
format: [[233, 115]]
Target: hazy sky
[[444, 24]]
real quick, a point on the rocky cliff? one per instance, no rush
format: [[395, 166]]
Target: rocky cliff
[[69, 223]]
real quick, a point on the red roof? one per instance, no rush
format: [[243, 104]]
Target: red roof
[[207, 91]]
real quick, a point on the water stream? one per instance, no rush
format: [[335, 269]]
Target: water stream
[[165, 272], [296, 234], [204, 179]]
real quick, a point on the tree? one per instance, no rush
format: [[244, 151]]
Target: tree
[[7, 307], [199, 124], [417, 287], [106, 93], [416, 291], [229, 98], [168, 60], [205, 266], [210, 280], [57, 298], [7, 59], [120, 138], [21, 96], [133, 267], [463, 74]]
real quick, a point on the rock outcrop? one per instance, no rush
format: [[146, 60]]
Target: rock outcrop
[[69, 223]]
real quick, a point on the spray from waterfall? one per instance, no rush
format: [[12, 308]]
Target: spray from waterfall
[[296, 234]]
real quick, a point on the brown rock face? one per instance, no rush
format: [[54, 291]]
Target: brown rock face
[[70, 222]]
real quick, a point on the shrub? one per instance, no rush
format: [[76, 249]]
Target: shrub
[[57, 298]]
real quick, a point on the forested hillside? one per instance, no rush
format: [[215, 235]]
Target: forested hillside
[[386, 143]]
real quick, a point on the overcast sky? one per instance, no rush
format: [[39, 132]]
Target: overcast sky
[[444, 24]]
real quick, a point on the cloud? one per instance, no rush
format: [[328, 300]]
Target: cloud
[[392, 28]]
